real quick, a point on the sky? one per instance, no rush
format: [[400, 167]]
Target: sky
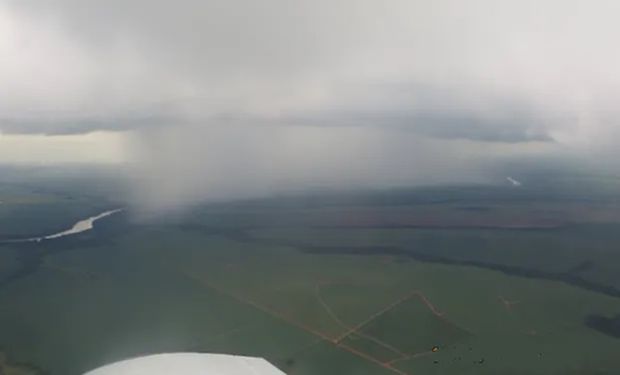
[[247, 96]]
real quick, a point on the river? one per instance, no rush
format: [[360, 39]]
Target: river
[[79, 227]]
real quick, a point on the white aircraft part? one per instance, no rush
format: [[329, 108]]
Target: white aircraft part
[[189, 364]]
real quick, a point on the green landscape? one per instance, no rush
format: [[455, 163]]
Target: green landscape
[[439, 280]]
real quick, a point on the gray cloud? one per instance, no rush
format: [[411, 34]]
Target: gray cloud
[[64, 125], [423, 110], [434, 125], [509, 130], [107, 63], [238, 88]]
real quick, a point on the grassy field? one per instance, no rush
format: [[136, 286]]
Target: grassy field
[[157, 289], [587, 251], [289, 283]]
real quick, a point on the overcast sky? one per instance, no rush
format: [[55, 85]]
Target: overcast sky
[[330, 91]]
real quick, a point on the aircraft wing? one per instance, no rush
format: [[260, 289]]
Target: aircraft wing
[[189, 364]]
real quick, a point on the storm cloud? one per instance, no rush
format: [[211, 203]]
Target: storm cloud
[[381, 87]]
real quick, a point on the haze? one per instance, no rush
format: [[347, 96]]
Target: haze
[[220, 99]]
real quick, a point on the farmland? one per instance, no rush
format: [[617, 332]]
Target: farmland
[[316, 292]]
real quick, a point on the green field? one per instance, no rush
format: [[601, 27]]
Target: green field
[[287, 282], [190, 291]]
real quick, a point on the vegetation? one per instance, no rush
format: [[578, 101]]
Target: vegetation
[[288, 283]]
